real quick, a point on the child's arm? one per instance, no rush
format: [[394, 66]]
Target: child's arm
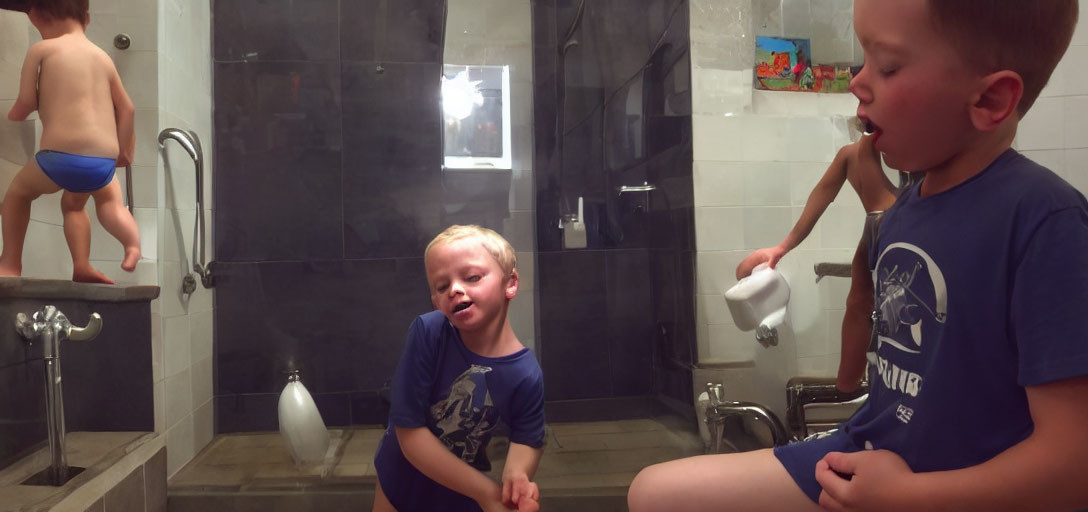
[[517, 475], [126, 124], [821, 196], [431, 458], [27, 101], [1045, 471]]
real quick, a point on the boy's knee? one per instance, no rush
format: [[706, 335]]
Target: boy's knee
[[71, 203], [641, 494]]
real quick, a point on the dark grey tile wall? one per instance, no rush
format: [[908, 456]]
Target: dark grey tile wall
[[328, 186], [107, 382], [613, 108]]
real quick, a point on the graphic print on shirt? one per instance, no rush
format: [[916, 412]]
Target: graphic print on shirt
[[467, 416], [911, 300]]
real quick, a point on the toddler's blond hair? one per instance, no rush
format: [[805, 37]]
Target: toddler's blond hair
[[492, 242]]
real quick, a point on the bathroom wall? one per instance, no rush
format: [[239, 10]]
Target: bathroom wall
[[328, 186], [165, 73], [612, 109], [1055, 130], [757, 156], [184, 372]]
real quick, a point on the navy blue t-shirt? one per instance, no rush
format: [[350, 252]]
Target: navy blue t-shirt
[[461, 397], [980, 291]]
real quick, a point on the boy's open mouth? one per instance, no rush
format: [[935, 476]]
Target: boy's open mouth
[[461, 307]]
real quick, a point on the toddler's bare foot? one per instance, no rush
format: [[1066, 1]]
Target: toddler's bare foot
[[10, 270], [132, 256], [90, 274]]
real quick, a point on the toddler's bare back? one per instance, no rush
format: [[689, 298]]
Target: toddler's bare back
[[75, 102]]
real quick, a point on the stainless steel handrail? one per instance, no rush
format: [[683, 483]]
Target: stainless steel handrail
[[644, 187], [191, 144], [128, 189]]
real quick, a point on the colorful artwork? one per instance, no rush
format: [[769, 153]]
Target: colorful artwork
[[785, 65]]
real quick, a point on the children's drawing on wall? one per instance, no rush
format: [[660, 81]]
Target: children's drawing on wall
[[786, 65]]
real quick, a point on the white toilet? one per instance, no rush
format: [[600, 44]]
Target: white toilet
[[759, 301]]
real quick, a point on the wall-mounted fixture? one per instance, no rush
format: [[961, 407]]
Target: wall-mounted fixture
[[50, 326], [191, 144]]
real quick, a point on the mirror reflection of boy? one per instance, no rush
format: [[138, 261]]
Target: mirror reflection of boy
[[859, 164], [978, 401], [463, 371], [87, 131]]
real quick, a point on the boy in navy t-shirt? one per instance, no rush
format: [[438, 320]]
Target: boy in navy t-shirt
[[462, 372], [979, 388]]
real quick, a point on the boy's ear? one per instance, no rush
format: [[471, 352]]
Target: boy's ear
[[511, 288], [998, 98]]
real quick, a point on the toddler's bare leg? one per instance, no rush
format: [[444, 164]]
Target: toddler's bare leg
[[736, 482], [77, 232], [27, 186], [857, 323], [381, 503], [118, 221]]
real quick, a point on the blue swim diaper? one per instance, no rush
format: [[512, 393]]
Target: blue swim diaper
[[76, 173]]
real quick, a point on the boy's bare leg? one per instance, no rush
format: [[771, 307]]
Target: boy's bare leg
[[115, 217], [381, 503], [857, 323], [737, 482], [27, 186], [77, 232]]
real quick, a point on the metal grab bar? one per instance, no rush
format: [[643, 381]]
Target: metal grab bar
[[128, 189], [191, 144], [644, 187]]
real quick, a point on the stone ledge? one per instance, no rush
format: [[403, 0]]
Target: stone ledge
[[31, 288]]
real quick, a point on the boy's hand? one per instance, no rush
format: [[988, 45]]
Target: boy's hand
[[771, 255], [519, 492], [859, 481]]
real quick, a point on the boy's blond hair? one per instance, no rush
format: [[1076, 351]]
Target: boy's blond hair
[[492, 242], [1028, 37]]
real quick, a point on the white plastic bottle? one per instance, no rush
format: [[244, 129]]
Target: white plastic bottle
[[301, 425]]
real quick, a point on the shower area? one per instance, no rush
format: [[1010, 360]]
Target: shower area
[[331, 179], [333, 169]]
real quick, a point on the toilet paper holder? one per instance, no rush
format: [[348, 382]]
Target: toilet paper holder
[[758, 302]]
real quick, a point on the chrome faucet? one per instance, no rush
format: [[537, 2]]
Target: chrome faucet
[[718, 411], [51, 326]]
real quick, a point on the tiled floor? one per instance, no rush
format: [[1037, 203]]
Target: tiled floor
[[586, 466]]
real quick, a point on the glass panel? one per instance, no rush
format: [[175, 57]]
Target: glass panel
[[476, 114]]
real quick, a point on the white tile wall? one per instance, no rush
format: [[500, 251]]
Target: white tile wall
[[183, 77], [757, 156]]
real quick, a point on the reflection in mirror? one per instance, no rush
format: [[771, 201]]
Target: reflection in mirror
[[476, 115], [487, 85]]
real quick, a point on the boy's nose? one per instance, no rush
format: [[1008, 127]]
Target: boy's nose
[[456, 289], [858, 85]]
